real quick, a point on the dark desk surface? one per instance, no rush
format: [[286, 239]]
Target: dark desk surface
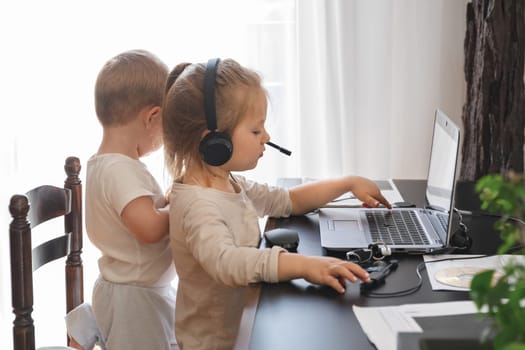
[[299, 315]]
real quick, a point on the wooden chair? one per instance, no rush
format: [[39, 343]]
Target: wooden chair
[[37, 206]]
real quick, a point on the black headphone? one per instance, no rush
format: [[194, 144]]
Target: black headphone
[[216, 147], [460, 239]]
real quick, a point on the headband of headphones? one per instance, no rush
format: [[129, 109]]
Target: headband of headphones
[[216, 147], [209, 93]]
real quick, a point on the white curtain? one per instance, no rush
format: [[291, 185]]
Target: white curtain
[[369, 76], [353, 85]]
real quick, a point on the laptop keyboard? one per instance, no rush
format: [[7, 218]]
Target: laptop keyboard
[[443, 220], [395, 227]]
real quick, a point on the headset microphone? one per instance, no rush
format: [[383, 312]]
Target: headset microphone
[[281, 149]]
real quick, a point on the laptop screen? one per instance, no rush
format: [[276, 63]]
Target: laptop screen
[[443, 161]]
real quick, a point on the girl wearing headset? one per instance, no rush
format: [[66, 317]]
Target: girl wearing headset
[[213, 125]]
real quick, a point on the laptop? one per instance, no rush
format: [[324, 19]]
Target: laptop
[[417, 230]]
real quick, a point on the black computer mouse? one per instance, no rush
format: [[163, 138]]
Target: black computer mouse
[[282, 237]]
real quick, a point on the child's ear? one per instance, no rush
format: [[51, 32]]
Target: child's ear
[[204, 133], [151, 114]]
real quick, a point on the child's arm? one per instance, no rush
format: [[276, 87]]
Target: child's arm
[[147, 223], [312, 195], [322, 270]]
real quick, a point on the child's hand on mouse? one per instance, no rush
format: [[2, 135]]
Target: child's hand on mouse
[[333, 272], [322, 270]]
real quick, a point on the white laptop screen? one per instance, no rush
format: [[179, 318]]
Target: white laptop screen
[[442, 167]]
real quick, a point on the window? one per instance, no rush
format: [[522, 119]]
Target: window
[[52, 54]]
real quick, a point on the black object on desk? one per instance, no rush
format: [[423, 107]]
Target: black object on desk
[[378, 277], [282, 237]]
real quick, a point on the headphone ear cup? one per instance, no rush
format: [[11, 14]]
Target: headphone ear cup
[[216, 148], [461, 239]]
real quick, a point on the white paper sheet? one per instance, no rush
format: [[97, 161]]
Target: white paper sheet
[[382, 324], [347, 200]]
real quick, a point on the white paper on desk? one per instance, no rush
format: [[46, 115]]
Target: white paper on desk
[[382, 324], [347, 200], [493, 262]]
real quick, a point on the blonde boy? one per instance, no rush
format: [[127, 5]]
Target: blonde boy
[[126, 212]]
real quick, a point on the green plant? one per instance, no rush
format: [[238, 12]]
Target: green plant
[[504, 300]]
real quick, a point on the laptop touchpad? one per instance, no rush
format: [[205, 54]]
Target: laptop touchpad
[[345, 225], [343, 233]]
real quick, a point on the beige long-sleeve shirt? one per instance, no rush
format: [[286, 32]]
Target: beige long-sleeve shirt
[[214, 239]]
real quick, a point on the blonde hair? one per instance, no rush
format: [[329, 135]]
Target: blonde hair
[[126, 84], [184, 119]]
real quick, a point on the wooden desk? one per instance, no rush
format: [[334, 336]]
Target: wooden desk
[[299, 315]]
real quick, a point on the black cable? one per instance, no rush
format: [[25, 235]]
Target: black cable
[[482, 213], [399, 293], [517, 220], [415, 288], [460, 258]]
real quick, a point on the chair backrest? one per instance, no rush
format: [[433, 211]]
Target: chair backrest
[[28, 211]]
